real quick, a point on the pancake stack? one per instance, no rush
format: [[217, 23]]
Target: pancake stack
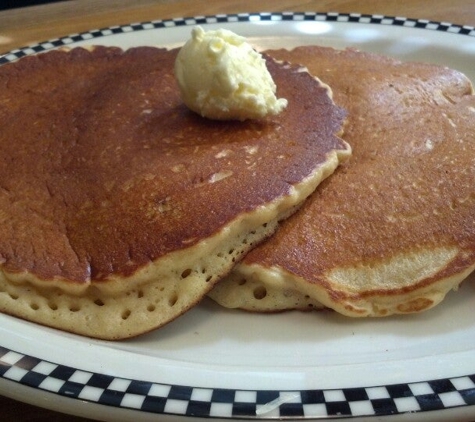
[[393, 230], [120, 208]]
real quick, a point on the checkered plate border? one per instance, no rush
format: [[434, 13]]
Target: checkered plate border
[[187, 401], [182, 400], [241, 17]]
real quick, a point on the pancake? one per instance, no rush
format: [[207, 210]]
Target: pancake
[[119, 207], [392, 230]]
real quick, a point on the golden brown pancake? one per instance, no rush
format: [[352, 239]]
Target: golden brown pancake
[[119, 207], [392, 230]]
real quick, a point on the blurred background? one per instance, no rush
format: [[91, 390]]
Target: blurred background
[[11, 4]]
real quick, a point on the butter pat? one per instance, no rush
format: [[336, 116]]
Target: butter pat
[[222, 77]]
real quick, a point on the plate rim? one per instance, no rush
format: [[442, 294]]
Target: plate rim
[[153, 397], [195, 401], [334, 17]]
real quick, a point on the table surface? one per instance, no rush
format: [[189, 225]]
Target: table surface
[[29, 25]]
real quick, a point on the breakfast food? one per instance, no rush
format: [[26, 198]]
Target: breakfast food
[[392, 231], [120, 208], [223, 77]]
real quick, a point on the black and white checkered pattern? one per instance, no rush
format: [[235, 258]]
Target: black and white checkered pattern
[[157, 398], [241, 17]]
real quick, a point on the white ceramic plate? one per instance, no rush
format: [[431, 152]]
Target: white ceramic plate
[[225, 364]]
